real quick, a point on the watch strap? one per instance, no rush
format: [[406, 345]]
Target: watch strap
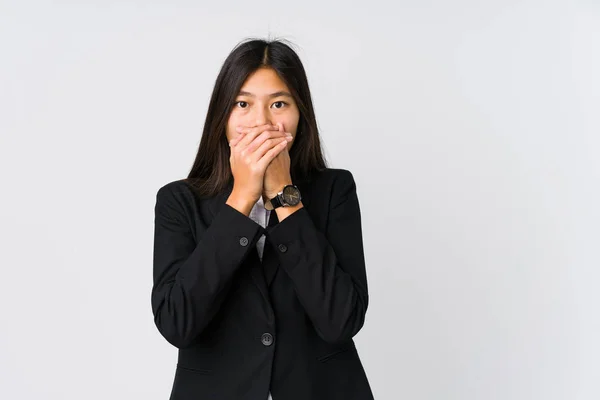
[[276, 201]]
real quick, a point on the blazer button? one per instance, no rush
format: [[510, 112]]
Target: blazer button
[[244, 241], [266, 339], [282, 247]]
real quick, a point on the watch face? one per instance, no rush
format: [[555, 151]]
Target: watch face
[[291, 195]]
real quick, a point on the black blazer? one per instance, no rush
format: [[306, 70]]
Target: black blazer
[[243, 326]]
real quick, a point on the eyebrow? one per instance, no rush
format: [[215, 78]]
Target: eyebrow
[[276, 94]]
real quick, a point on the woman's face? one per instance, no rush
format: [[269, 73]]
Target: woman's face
[[264, 99]]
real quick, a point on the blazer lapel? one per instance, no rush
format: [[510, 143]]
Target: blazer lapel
[[270, 261], [257, 273], [263, 273], [255, 267]]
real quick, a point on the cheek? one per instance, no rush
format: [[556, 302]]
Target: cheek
[[290, 123], [295, 130], [232, 123], [293, 121]]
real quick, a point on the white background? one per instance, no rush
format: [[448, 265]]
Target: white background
[[472, 129]]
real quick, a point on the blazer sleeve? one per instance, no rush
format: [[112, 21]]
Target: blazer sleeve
[[327, 268], [191, 279]]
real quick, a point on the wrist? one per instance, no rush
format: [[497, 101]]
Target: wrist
[[270, 195], [240, 202]]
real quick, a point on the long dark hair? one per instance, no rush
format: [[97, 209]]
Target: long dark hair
[[211, 172]]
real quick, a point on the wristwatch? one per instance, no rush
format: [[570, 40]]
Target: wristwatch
[[289, 196]]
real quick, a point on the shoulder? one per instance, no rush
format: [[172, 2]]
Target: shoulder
[[333, 176], [340, 180], [175, 197], [343, 186], [337, 185], [173, 189]]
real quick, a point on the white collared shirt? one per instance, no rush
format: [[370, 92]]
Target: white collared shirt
[[261, 215]]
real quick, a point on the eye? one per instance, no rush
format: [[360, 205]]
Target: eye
[[282, 102], [238, 102]]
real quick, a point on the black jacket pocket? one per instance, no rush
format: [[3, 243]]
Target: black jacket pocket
[[196, 370]]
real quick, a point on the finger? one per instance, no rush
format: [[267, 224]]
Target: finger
[[252, 133], [265, 135], [272, 153], [236, 139], [253, 126], [268, 136], [289, 134], [282, 129], [248, 129], [265, 146], [233, 142], [279, 127]]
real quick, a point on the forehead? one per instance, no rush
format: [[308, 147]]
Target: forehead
[[263, 81]]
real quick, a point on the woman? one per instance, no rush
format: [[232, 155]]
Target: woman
[[259, 270]]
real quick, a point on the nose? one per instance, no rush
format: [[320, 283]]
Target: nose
[[261, 117]]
